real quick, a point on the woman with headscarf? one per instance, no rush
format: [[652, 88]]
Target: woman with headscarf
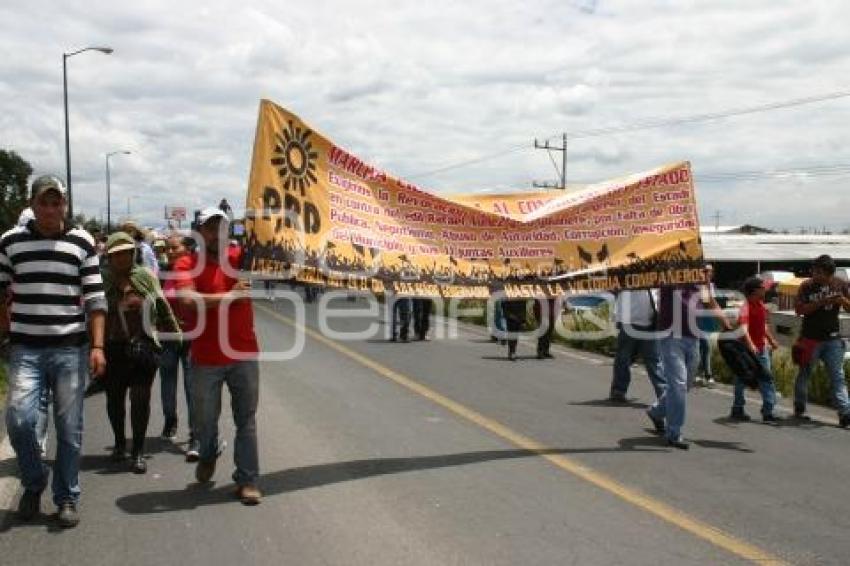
[[132, 343]]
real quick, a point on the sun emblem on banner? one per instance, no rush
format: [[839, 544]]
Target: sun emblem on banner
[[295, 158]]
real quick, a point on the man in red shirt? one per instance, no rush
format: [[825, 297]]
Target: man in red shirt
[[759, 339], [225, 351]]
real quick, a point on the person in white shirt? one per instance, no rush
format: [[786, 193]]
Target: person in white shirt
[[636, 312]]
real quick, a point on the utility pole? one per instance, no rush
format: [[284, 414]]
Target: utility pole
[[717, 216], [562, 174]]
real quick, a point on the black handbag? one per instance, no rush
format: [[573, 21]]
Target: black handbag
[[743, 362], [141, 350]]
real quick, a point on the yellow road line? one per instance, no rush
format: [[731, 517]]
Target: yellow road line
[[649, 504]]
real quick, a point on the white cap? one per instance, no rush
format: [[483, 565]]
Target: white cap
[[209, 213]]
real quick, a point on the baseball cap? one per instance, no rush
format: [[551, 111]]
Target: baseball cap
[[209, 213], [120, 241], [47, 183]]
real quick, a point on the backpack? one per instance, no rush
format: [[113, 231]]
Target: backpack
[[743, 362]]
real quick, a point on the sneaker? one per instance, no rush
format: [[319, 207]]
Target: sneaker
[[248, 494], [192, 453], [844, 420], [657, 423], [29, 505], [771, 418], [740, 415], [678, 443], [68, 516], [205, 470], [169, 431], [138, 465], [801, 416]]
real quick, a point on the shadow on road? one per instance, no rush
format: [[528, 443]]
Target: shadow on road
[[505, 358], [629, 403], [296, 479], [787, 422]]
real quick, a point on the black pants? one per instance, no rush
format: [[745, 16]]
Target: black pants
[[544, 341], [120, 378], [401, 318], [513, 326], [421, 317]]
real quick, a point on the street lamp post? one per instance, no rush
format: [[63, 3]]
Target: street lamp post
[[65, 56], [108, 190]]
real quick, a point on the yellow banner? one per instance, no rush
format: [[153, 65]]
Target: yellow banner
[[320, 215]]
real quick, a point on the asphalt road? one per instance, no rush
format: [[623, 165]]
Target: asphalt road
[[442, 452]]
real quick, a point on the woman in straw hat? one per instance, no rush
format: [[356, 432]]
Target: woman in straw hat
[[132, 343]]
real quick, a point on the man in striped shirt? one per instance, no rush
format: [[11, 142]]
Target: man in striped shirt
[[51, 272]]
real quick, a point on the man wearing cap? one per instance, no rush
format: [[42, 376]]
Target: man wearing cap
[[55, 328], [230, 358]]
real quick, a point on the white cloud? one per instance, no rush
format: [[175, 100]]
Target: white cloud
[[417, 86]]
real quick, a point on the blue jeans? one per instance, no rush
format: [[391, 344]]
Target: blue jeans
[[63, 370], [627, 347], [680, 357], [243, 383], [767, 388], [175, 354], [832, 354]]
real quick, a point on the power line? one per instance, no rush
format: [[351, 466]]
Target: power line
[[458, 165], [810, 171], [709, 116], [650, 124]]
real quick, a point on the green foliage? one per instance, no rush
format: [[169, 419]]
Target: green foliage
[[14, 196], [595, 323]]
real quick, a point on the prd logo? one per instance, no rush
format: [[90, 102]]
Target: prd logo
[[295, 158]]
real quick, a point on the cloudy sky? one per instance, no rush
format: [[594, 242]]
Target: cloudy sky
[[418, 87]]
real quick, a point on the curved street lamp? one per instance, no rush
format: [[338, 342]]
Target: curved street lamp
[[65, 56], [108, 193]]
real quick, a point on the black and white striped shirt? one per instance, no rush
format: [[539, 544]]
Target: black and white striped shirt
[[54, 281]]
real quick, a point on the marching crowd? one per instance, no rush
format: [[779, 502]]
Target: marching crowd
[[121, 311], [670, 328], [74, 307]]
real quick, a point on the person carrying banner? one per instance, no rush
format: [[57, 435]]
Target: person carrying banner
[[516, 312], [421, 317], [225, 355], [636, 316], [679, 357], [819, 301], [546, 326], [401, 311]]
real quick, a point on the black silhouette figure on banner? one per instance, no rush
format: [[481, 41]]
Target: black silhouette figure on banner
[[602, 254], [585, 256]]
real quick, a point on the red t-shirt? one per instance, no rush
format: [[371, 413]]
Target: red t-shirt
[[207, 349], [179, 278], [754, 314]]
